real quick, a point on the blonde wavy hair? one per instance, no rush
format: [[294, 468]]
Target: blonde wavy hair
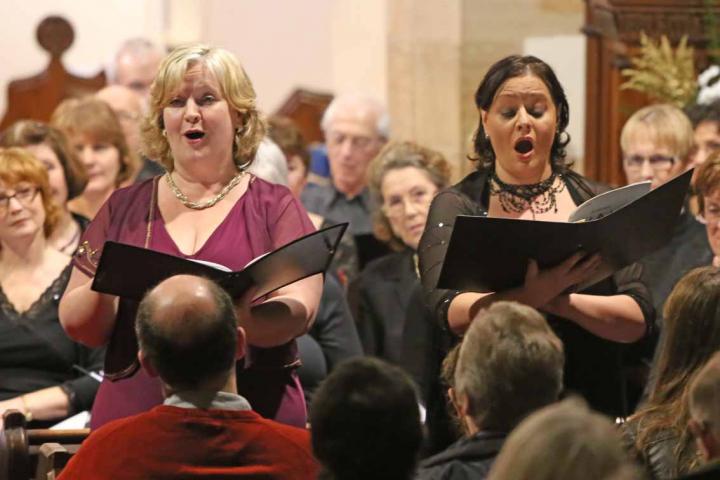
[[666, 125], [235, 88], [18, 165], [396, 155]]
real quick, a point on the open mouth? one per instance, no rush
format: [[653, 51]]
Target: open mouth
[[523, 146], [194, 135]]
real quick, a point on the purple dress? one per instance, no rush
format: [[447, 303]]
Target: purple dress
[[266, 217]]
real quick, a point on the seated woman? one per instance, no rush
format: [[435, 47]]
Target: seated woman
[[522, 174], [43, 373], [657, 143], [404, 179], [65, 172], [707, 187], [658, 432], [96, 136]]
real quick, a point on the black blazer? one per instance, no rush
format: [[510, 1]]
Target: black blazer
[[383, 292]]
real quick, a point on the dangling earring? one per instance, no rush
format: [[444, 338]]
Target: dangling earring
[[164, 133], [236, 147]]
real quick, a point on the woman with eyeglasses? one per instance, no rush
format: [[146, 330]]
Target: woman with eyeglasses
[[43, 373], [707, 187], [65, 172], [404, 179], [657, 143]]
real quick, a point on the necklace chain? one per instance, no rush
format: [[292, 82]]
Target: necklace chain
[[207, 203], [540, 197]]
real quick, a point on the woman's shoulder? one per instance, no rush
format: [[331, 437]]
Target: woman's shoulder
[[132, 192], [390, 265], [584, 185]]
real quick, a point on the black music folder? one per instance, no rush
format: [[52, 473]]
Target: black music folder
[[492, 254], [128, 271]]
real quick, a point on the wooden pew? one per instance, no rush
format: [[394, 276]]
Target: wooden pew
[[34, 453]]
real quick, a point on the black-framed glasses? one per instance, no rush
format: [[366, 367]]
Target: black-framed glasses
[[25, 195], [657, 162]]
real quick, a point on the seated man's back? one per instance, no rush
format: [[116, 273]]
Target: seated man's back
[[176, 442]]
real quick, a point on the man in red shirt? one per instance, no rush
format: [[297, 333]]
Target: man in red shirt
[[188, 336]]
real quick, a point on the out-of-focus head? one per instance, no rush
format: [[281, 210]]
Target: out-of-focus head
[[270, 163], [26, 203], [404, 179], [510, 364], [66, 174], [127, 105], [95, 134], [707, 181], [691, 324], [366, 422], [704, 405], [564, 441], [135, 66], [187, 80], [657, 143], [523, 117], [187, 332], [286, 135], [705, 119], [356, 127]]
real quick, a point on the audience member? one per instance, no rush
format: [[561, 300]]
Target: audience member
[[366, 422], [203, 125], [356, 127], [658, 432], [332, 337], [704, 409], [135, 65], [522, 174], [189, 337], [404, 178], [705, 120], [66, 175], [94, 132], [286, 135], [43, 373], [510, 364], [128, 108], [657, 144], [565, 441], [707, 187]]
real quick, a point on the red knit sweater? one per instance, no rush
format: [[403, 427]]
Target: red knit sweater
[[171, 442]]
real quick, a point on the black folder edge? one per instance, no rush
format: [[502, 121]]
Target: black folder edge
[[677, 188], [106, 281]]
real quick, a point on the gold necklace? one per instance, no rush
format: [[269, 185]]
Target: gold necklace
[[207, 203]]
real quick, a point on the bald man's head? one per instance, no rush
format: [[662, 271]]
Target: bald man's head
[[187, 331]]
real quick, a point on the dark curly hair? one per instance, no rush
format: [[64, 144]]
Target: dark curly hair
[[518, 66]]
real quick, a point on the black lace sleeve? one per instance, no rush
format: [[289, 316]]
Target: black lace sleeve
[[628, 281], [433, 245]]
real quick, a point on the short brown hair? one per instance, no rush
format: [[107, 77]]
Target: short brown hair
[[18, 165], [397, 155], [708, 179], [235, 87], [31, 132], [287, 136], [510, 364], [95, 118]]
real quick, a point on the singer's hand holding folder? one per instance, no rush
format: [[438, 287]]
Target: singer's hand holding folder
[[492, 254], [129, 271]]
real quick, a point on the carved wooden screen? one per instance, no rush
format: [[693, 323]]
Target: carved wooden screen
[[613, 31], [36, 97], [306, 108]]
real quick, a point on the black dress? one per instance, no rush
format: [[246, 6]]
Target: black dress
[[36, 353], [593, 366]]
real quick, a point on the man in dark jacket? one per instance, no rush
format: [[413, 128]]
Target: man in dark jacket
[[510, 364]]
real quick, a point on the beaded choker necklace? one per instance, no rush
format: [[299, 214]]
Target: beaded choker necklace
[[539, 197]]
